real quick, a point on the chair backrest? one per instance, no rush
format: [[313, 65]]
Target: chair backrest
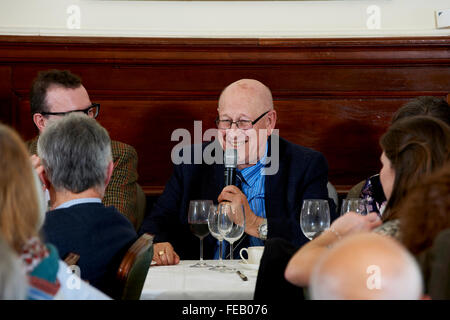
[[355, 191], [72, 259], [270, 282], [134, 268], [332, 193], [435, 264], [141, 206]]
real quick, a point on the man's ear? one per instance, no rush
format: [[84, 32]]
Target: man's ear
[[39, 121], [271, 121], [44, 179], [109, 173]]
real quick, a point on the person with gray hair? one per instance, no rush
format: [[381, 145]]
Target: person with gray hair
[[76, 155], [57, 93], [367, 266], [13, 281], [84, 147]]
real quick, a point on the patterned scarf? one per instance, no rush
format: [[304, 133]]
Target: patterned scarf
[[41, 264], [32, 253]]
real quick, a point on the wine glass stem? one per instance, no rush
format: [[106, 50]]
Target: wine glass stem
[[201, 249], [231, 250], [220, 251]]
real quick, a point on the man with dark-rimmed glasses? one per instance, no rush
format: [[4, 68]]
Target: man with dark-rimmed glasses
[[56, 93], [272, 201]]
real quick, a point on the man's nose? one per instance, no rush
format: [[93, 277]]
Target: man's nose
[[234, 123], [233, 132]]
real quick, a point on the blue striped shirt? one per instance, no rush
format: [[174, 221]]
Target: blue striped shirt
[[253, 186], [252, 183]]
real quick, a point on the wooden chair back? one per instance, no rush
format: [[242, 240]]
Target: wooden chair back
[[134, 267]]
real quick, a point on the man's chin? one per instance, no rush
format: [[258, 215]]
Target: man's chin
[[245, 156], [238, 146]]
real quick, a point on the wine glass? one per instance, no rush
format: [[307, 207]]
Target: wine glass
[[231, 223], [198, 223], [314, 217], [213, 225], [357, 205]]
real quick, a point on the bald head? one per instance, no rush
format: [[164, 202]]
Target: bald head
[[366, 266], [248, 101], [252, 93]]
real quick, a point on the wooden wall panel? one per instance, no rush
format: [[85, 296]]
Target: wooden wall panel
[[5, 94], [333, 95]]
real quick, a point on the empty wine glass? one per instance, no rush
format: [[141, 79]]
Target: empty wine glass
[[314, 217], [213, 225], [198, 223], [231, 223], [354, 204]]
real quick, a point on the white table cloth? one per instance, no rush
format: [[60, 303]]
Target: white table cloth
[[181, 282]]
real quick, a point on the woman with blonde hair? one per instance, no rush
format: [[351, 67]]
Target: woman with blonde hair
[[13, 283], [20, 208], [22, 213]]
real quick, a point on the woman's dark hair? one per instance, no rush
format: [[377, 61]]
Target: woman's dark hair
[[415, 146], [424, 106], [426, 211]]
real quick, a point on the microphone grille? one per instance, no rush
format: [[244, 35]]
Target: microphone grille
[[230, 158]]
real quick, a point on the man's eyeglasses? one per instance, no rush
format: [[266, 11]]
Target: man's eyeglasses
[[92, 111], [240, 124]]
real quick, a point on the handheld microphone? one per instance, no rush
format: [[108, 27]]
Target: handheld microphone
[[230, 160]]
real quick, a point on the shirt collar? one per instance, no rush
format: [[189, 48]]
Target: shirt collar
[[70, 203], [253, 173]]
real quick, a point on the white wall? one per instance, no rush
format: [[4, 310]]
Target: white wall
[[221, 18]]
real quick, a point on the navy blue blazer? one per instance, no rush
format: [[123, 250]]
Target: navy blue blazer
[[99, 234], [302, 174]]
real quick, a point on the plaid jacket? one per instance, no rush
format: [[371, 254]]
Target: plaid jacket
[[121, 191]]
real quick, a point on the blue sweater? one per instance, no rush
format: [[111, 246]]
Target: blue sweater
[[99, 234]]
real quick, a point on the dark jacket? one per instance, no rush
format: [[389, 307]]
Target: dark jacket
[[435, 265], [99, 234], [302, 174]]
